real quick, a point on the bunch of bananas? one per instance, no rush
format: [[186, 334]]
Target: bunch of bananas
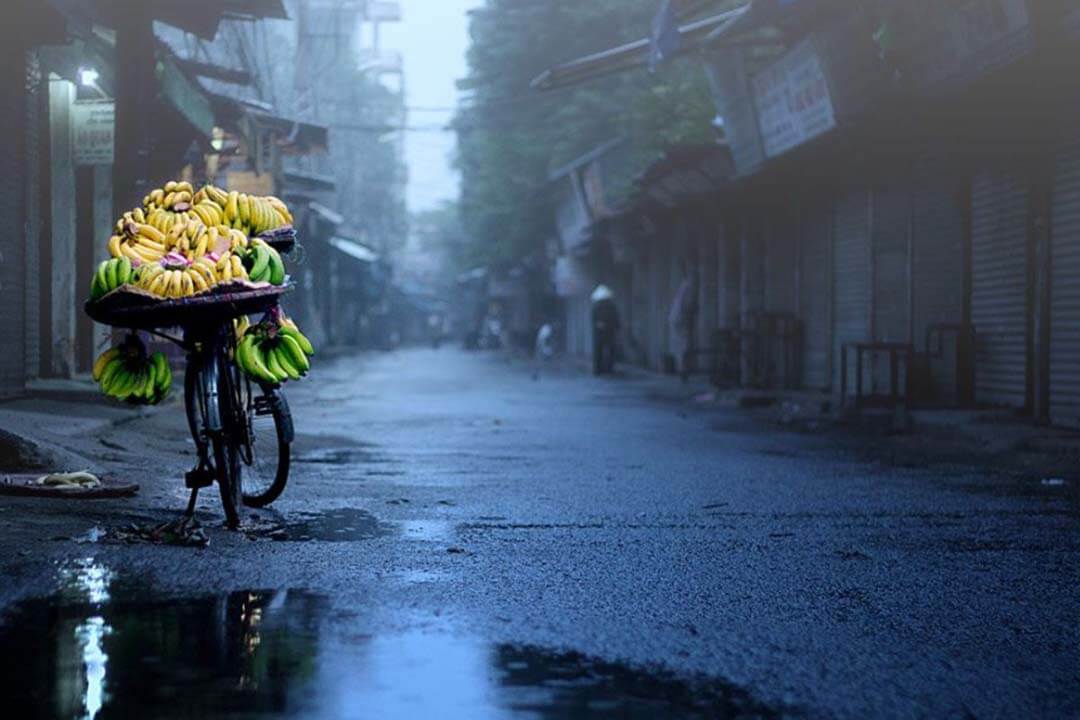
[[110, 275], [274, 352], [263, 263], [127, 373], [180, 242]]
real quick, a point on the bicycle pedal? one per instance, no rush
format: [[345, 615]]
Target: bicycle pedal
[[264, 406], [198, 478]]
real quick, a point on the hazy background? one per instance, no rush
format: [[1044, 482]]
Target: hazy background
[[433, 40]]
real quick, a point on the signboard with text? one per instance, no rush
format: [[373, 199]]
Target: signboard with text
[[792, 100], [93, 127]]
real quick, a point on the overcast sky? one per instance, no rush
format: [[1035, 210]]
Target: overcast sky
[[433, 39]]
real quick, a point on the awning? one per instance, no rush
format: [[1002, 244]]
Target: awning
[[300, 183], [326, 214], [188, 99], [293, 136], [215, 72], [199, 17], [631, 55], [354, 250]]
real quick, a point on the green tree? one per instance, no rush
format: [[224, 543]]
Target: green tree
[[511, 137]]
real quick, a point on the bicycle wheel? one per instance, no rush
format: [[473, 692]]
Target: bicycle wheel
[[228, 440], [265, 458]]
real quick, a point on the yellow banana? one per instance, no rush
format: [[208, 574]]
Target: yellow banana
[[232, 208], [188, 284], [239, 239], [245, 209], [203, 243], [238, 271], [226, 271], [176, 284], [114, 246], [205, 268], [158, 197], [197, 280], [170, 200], [158, 285]]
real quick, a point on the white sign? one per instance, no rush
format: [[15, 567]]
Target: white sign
[[93, 127], [384, 11], [792, 100]]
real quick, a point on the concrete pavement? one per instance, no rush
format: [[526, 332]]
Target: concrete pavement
[[453, 520]]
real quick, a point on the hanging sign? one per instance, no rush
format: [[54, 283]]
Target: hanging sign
[[792, 100], [93, 127]]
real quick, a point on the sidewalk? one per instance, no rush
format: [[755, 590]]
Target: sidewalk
[[49, 428], [1001, 439]]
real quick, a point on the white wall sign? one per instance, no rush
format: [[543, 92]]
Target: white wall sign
[[792, 100], [93, 127]]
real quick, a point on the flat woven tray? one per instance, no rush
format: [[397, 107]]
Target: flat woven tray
[[132, 308], [24, 486]]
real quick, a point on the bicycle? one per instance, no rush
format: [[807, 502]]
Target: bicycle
[[242, 429]]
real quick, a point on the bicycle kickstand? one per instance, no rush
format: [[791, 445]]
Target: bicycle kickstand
[[190, 512]]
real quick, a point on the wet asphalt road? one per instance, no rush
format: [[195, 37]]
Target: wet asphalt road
[[459, 540]]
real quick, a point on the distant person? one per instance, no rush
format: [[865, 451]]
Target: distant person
[[544, 351], [605, 325], [681, 323]]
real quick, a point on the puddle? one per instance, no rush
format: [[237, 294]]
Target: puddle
[[339, 456], [428, 530], [341, 525], [97, 650]]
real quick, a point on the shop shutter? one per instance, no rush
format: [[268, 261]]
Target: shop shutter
[[814, 296], [851, 278], [12, 218], [937, 246], [32, 163], [781, 260], [999, 292], [1065, 291]]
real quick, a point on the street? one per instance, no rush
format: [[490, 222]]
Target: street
[[460, 540]]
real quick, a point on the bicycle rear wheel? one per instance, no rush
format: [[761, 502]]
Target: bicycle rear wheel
[[265, 458]]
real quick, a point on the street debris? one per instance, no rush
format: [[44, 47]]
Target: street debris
[[81, 479], [184, 532]]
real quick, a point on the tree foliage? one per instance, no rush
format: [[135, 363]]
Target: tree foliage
[[511, 137]]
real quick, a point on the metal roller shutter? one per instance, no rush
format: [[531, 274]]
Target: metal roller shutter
[[1065, 291], [781, 261], [34, 91], [814, 297], [999, 289], [892, 278], [12, 217], [851, 278], [937, 246]]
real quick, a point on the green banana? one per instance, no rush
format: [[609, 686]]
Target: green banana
[[111, 372], [277, 267], [305, 344], [281, 356], [274, 364], [123, 273], [110, 274], [260, 264], [254, 362], [163, 372], [295, 353], [99, 277]]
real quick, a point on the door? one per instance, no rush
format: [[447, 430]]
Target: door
[[851, 279], [999, 289], [814, 296], [1065, 291]]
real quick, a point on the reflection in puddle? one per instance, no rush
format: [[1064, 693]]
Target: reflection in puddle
[[282, 654], [341, 525], [429, 530]]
